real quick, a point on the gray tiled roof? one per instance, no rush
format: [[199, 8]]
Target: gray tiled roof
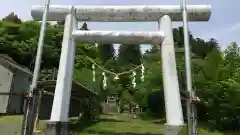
[[5, 59]]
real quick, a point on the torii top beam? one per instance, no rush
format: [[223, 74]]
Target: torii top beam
[[139, 13]]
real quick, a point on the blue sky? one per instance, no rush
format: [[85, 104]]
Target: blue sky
[[224, 24]]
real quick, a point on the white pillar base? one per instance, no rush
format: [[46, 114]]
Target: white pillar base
[[56, 128]]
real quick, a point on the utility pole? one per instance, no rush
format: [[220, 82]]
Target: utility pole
[[29, 113], [36, 120], [191, 108]]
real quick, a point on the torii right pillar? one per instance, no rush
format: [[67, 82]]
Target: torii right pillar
[[173, 107]]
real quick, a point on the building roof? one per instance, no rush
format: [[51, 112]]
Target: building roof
[[78, 90], [7, 60]]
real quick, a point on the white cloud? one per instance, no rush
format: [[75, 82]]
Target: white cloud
[[225, 35], [224, 31]]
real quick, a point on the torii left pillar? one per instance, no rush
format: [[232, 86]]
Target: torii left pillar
[[58, 123]]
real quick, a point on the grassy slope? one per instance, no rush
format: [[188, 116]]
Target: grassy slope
[[109, 125], [125, 125]]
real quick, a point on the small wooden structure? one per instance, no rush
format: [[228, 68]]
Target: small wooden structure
[[14, 84], [110, 105], [81, 97]]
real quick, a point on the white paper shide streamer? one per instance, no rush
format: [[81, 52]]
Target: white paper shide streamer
[[94, 73], [134, 79], [104, 80], [96, 44], [142, 72], [116, 78], [93, 67]]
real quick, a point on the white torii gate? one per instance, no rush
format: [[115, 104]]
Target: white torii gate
[[163, 14]]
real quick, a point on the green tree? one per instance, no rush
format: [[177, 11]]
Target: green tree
[[12, 18], [106, 52], [215, 78]]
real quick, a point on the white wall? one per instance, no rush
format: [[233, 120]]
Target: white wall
[[5, 85]]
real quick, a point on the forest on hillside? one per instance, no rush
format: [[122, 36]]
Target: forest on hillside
[[216, 79]]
